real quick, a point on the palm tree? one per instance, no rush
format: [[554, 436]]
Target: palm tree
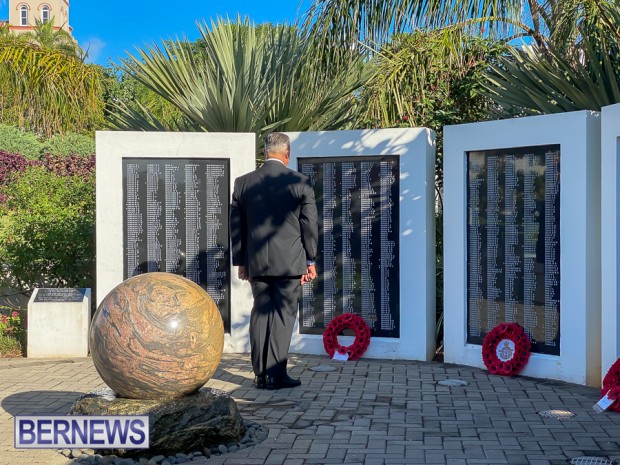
[[573, 61], [4, 29], [568, 40], [240, 78], [373, 21], [46, 91], [420, 76], [47, 36], [579, 72]]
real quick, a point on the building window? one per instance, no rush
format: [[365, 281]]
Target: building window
[[23, 15], [45, 14]]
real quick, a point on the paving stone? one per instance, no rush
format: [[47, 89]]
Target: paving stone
[[370, 411]]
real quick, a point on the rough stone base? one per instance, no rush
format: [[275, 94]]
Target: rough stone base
[[203, 419]]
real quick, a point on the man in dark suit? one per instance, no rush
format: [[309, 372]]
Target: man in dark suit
[[273, 229]]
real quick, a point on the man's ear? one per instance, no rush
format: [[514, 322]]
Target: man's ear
[[288, 153]]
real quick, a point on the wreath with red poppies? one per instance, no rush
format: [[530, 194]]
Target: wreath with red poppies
[[506, 349], [336, 326], [611, 382]]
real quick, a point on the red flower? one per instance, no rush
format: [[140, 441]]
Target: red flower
[[510, 341], [350, 321], [612, 382]]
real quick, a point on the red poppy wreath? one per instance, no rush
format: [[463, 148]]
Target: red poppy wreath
[[335, 327], [611, 382], [506, 349]]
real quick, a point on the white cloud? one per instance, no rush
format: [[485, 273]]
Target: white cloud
[[93, 47]]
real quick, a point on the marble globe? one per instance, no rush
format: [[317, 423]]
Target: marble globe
[[156, 336]]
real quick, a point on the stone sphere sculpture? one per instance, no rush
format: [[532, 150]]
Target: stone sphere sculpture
[[156, 336]]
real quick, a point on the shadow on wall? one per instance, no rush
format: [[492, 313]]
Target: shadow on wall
[[262, 200]]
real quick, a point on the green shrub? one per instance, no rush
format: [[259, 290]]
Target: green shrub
[[13, 140], [48, 230], [11, 323], [70, 144]]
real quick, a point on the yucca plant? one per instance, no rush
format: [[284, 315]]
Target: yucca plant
[[531, 82], [239, 78]]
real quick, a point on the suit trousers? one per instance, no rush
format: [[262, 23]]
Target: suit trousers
[[272, 319]]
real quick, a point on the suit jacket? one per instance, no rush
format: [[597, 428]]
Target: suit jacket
[[273, 221]]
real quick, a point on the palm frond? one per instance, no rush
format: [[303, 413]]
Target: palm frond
[[242, 78], [46, 91], [414, 68], [532, 82], [350, 21]]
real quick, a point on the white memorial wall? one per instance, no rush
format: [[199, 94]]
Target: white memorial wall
[[610, 183], [162, 205], [161, 199], [375, 200], [522, 240]]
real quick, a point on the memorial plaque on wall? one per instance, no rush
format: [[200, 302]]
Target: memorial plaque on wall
[[358, 269], [176, 220], [46, 294], [513, 243]]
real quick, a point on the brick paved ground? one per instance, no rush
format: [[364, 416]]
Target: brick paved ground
[[366, 412]]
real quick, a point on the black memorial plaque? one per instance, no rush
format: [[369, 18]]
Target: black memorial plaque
[[513, 243], [358, 214], [176, 221], [60, 295]]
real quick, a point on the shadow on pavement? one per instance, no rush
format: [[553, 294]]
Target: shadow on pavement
[[40, 402]]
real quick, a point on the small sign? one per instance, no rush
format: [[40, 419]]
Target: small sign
[[603, 404], [340, 357], [60, 295]]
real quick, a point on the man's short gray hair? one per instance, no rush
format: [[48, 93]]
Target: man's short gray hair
[[277, 142]]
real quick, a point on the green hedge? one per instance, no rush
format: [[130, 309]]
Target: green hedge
[[13, 140], [47, 230], [70, 144]]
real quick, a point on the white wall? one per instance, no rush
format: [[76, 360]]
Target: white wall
[[610, 150], [58, 329], [112, 147], [578, 134], [416, 148]]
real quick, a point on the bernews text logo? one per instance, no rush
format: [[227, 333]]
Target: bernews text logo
[[92, 432]]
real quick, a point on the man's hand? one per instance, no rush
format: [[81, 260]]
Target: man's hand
[[242, 275], [310, 275]]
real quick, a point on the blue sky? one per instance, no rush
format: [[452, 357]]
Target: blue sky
[[108, 28]]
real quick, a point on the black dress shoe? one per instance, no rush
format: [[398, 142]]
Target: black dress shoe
[[281, 383], [259, 382]]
